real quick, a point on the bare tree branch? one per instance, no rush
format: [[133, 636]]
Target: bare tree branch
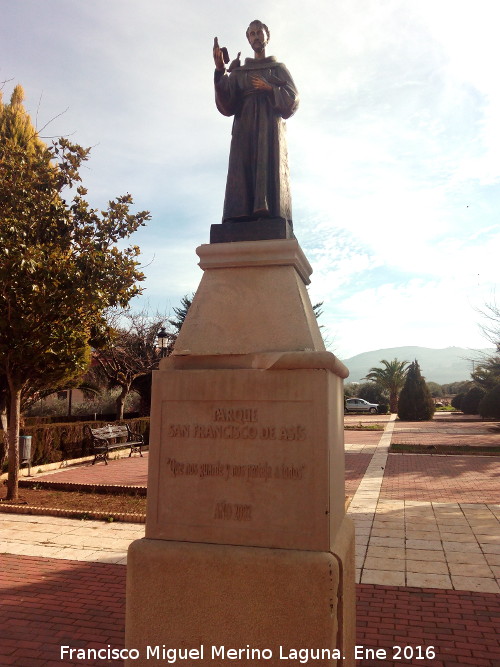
[[50, 121]]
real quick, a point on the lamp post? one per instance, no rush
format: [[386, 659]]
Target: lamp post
[[163, 341]]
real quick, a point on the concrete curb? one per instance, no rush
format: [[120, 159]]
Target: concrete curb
[[85, 487], [129, 517]]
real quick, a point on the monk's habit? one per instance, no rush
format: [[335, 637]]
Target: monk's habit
[[258, 176]]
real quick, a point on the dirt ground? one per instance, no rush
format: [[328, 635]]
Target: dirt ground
[[83, 502]]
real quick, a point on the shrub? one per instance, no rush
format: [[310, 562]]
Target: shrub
[[471, 400], [415, 400], [489, 406], [456, 401]]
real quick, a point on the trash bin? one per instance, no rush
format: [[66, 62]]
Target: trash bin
[[25, 447]]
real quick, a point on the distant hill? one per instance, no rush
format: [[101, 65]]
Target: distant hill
[[450, 364]]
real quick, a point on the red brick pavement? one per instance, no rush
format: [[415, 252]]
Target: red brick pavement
[[127, 471], [465, 479], [353, 418], [473, 433], [461, 626], [362, 437], [46, 603], [355, 468]]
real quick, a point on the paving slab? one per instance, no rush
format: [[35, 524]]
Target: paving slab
[[67, 538]]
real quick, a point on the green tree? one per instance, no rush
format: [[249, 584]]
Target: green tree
[[372, 393], [487, 373], [456, 387], [60, 265], [435, 389], [180, 314], [415, 400], [470, 402], [350, 389], [489, 405], [390, 378], [317, 309], [456, 401], [15, 124]]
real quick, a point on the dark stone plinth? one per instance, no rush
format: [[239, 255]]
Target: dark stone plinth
[[251, 230]]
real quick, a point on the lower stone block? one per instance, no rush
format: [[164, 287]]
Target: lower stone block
[[228, 603]]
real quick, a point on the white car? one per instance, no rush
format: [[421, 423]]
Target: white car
[[360, 405]]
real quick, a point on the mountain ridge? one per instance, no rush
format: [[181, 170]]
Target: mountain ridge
[[441, 365]]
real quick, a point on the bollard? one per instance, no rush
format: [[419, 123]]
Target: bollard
[[25, 451]]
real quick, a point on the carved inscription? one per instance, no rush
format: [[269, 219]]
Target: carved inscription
[[241, 415], [226, 471], [238, 459], [237, 424], [232, 511]]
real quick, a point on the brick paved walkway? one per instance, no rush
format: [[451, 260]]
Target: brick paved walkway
[[355, 468], [47, 603], [125, 471], [366, 419], [472, 433], [412, 542], [464, 479], [361, 439], [462, 627]]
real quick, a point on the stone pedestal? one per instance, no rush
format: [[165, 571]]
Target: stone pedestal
[[247, 545]]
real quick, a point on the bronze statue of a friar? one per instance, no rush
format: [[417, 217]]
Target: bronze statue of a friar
[[261, 95]]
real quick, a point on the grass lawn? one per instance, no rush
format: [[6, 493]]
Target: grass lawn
[[478, 450]]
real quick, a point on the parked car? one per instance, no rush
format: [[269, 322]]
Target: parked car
[[360, 405]]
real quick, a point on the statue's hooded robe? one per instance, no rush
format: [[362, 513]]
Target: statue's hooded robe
[[257, 180]]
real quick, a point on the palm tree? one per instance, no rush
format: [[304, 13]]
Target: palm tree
[[390, 378]]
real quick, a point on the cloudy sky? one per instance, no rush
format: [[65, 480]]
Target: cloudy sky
[[394, 151]]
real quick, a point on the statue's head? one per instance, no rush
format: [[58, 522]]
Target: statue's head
[[258, 35]]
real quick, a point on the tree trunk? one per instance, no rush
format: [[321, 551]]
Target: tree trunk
[[393, 401], [4, 440], [120, 402], [15, 420]]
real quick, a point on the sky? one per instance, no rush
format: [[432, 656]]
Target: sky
[[394, 150]]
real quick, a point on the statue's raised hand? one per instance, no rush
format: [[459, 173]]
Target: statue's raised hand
[[218, 57], [221, 55]]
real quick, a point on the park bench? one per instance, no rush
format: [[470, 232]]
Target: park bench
[[113, 436]]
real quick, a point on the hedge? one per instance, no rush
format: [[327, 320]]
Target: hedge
[[59, 442], [111, 417]]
